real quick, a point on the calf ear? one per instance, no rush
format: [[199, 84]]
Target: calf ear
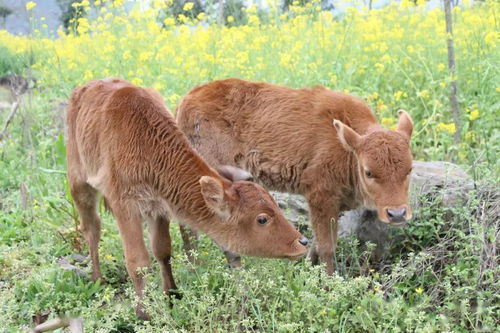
[[213, 194], [405, 124], [347, 136], [234, 174]]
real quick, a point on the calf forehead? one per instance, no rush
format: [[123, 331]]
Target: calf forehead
[[386, 152], [254, 196]]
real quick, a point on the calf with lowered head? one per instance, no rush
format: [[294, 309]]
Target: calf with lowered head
[[123, 143]]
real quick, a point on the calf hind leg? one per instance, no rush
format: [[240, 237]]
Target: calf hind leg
[[85, 198], [162, 250]]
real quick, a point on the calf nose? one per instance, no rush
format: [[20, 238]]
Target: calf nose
[[303, 241], [397, 215]]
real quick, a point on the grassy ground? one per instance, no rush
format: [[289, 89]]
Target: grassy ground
[[443, 277]]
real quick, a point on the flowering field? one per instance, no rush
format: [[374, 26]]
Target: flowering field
[[394, 57]]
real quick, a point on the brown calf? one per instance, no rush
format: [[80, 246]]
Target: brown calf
[[123, 142], [323, 144]]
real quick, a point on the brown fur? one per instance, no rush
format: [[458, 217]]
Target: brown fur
[[123, 142], [285, 138]]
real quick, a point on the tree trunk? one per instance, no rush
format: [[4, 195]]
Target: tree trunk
[[221, 12], [452, 70]]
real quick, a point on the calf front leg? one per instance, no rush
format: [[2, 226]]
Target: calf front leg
[[136, 255], [324, 215], [189, 238]]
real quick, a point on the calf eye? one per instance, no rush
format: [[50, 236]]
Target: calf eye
[[368, 174], [262, 220]]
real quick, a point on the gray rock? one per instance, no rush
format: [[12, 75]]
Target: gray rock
[[74, 263], [429, 180], [439, 179]]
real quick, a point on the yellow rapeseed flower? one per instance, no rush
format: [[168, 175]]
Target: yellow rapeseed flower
[[158, 86], [470, 135], [182, 18], [419, 290], [145, 56], [424, 93], [83, 25], [30, 5], [117, 3], [253, 20], [381, 106], [491, 38], [174, 98], [474, 114], [387, 121], [188, 6], [372, 97], [398, 94], [201, 16], [230, 19], [169, 21], [136, 81], [450, 128]]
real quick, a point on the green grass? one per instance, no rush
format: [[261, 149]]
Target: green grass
[[432, 282]]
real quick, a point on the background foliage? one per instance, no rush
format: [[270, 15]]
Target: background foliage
[[443, 277]]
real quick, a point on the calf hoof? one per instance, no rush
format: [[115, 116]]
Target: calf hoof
[[174, 293], [313, 256], [141, 313], [98, 277]]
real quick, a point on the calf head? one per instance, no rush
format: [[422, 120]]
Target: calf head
[[384, 165], [250, 221]]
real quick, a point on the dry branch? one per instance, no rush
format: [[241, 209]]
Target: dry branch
[[13, 111], [75, 325]]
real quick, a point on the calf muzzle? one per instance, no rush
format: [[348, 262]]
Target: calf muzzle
[[397, 215], [303, 240]]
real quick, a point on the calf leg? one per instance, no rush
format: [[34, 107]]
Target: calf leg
[[313, 253], [162, 250], [324, 220], [85, 198], [136, 255], [188, 238]]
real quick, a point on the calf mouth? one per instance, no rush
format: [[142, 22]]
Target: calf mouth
[[296, 256], [397, 224]]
